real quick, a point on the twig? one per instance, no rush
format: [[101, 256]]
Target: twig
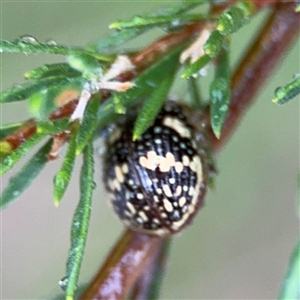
[[125, 262], [148, 284]]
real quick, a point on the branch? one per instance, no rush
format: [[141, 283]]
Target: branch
[[125, 262]]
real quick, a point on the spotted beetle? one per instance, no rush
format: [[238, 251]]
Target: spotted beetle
[[158, 182]]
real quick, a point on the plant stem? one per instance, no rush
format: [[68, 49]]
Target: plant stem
[[125, 262], [148, 284]]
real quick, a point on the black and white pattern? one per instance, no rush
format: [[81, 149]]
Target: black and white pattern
[[156, 180]]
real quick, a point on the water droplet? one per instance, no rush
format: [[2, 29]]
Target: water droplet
[[279, 92], [203, 72], [175, 22], [63, 283], [16, 193], [151, 83], [28, 39], [51, 42], [224, 107]]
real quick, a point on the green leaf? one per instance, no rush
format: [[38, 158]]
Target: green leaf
[[47, 100], [194, 92], [80, 223], [193, 69], [25, 90], [117, 38], [52, 127], [20, 182], [214, 44], [153, 21], [89, 124], [288, 92], [164, 15], [63, 176], [179, 8], [220, 93], [234, 18], [52, 70], [152, 106], [11, 159], [290, 288], [24, 46], [118, 103], [89, 66], [7, 129]]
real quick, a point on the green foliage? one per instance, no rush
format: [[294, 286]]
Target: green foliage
[[80, 223], [194, 68], [220, 93], [88, 126], [149, 22], [7, 129], [234, 18], [52, 71], [63, 176], [194, 92], [47, 99], [11, 159], [288, 92], [29, 45], [52, 127], [22, 180], [291, 286], [151, 107], [214, 44], [27, 89], [171, 16]]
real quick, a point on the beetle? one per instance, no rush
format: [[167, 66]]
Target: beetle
[[157, 183]]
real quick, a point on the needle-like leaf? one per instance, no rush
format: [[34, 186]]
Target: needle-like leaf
[[80, 224], [20, 182], [25, 46], [11, 159], [220, 93], [152, 106], [288, 92], [63, 176], [291, 285]]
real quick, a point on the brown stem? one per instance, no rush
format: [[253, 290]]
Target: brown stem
[[277, 35], [125, 262], [149, 282]]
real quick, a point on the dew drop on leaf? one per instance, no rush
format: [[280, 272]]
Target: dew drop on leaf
[[63, 283], [16, 193], [28, 39], [51, 43]]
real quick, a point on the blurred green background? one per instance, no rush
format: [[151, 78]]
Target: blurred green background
[[238, 246]]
